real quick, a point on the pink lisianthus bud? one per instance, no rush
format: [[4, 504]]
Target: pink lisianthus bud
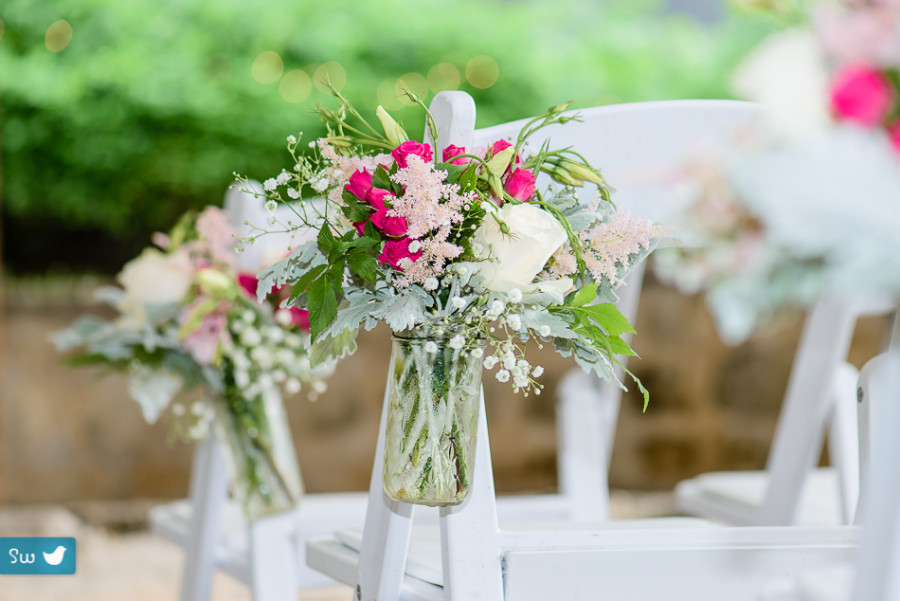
[[248, 282], [360, 184], [394, 250], [454, 151], [407, 148], [376, 196], [391, 225], [861, 94], [520, 184], [499, 146]]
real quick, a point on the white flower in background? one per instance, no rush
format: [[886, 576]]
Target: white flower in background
[[283, 178], [283, 317], [497, 307], [520, 381], [270, 184], [431, 347], [514, 322], [503, 376], [430, 284], [458, 302], [477, 352], [490, 362], [514, 295], [788, 75], [544, 330], [538, 371], [292, 386], [154, 277], [457, 342], [250, 337], [516, 258], [292, 140], [293, 193]]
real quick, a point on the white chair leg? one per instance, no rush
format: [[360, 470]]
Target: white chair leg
[[382, 558], [584, 426], [209, 489], [843, 438], [274, 558], [470, 549]]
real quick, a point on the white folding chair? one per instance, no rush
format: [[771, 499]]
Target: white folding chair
[[873, 575], [471, 558], [268, 554], [821, 395]]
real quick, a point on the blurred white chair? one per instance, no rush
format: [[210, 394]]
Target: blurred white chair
[[471, 557], [268, 555], [874, 575]]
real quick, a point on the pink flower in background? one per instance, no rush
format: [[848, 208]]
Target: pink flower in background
[[217, 234], [861, 94], [203, 342], [894, 136], [454, 151], [248, 282], [407, 148], [300, 318], [394, 250], [360, 184], [520, 184]]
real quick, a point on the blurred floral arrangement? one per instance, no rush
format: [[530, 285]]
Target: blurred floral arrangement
[[187, 317], [804, 203], [465, 247]]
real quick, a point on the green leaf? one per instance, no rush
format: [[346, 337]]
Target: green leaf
[[381, 179], [322, 305], [326, 240], [306, 279], [330, 348], [364, 265], [609, 318], [584, 296]]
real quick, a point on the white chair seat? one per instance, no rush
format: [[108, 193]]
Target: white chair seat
[[424, 558], [737, 497], [318, 515], [823, 584]]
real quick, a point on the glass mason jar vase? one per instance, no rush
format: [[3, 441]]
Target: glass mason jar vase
[[259, 452], [433, 401]]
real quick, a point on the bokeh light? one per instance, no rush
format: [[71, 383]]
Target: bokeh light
[[217, 69], [415, 83], [333, 71], [443, 76], [387, 95], [296, 86], [58, 36], [482, 71], [267, 67]]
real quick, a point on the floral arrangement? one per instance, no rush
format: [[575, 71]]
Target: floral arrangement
[[806, 203], [465, 248], [188, 317]]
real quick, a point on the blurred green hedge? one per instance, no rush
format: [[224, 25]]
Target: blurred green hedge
[[149, 107]]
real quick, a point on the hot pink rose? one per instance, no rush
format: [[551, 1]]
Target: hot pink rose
[[394, 250], [360, 184], [454, 151], [894, 135], [391, 225], [376, 196], [520, 184], [861, 94], [360, 227], [407, 148]]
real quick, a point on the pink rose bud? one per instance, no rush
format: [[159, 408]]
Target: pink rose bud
[[394, 250], [391, 225], [499, 146], [407, 148], [861, 94], [360, 184], [376, 196], [520, 184], [454, 151]]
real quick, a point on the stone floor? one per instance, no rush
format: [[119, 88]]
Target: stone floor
[[118, 559]]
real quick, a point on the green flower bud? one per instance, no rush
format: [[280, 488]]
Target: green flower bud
[[392, 130]]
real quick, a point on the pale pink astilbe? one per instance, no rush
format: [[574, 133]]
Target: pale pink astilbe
[[563, 263], [609, 245], [342, 167], [216, 238], [430, 208]]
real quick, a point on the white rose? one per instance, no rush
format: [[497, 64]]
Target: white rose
[[153, 277], [534, 235]]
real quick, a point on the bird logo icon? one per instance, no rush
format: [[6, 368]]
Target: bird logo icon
[[55, 558]]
